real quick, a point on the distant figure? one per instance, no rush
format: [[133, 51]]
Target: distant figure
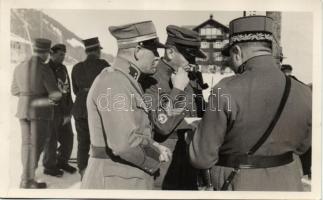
[[61, 131], [35, 85], [83, 75]]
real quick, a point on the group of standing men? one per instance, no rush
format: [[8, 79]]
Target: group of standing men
[[45, 108], [132, 116]]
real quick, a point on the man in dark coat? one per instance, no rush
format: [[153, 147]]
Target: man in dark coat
[[34, 83], [83, 75], [172, 93], [61, 131], [306, 158], [240, 110]]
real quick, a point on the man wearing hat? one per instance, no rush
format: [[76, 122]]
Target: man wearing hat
[[34, 83], [246, 132], [172, 91], [83, 75], [61, 131], [123, 153]]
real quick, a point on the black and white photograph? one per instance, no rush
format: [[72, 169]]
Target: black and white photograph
[[161, 99]]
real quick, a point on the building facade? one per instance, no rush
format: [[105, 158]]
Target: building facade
[[214, 36]]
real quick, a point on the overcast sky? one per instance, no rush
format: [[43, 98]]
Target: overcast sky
[[297, 34]]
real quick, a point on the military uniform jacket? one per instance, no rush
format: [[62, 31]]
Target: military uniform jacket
[[83, 75], [116, 108], [33, 80], [159, 90], [239, 112], [63, 83]]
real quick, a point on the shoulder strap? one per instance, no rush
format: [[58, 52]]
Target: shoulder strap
[[271, 126]]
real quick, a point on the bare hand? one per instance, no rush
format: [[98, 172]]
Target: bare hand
[[165, 153], [180, 79]]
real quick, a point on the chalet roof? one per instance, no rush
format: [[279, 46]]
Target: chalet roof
[[212, 22]]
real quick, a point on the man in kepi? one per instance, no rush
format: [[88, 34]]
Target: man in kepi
[[123, 153], [173, 98], [35, 85], [83, 75], [246, 133], [55, 158]]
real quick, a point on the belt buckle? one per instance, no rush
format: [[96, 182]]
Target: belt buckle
[[245, 162]]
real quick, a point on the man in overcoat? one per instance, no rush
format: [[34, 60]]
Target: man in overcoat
[[83, 75], [56, 158], [123, 153], [256, 119], [35, 85]]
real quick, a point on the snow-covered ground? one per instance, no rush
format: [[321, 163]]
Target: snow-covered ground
[[68, 181]]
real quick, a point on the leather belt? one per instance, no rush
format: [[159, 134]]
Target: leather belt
[[102, 153], [254, 161]]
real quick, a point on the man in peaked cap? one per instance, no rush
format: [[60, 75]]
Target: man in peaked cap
[[172, 100], [245, 134], [123, 153], [55, 158], [83, 75], [34, 83]]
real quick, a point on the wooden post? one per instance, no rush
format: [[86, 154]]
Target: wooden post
[[276, 16]]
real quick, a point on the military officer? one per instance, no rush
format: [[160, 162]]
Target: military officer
[[83, 75], [245, 133], [306, 158], [57, 159], [123, 153], [34, 83], [172, 84]]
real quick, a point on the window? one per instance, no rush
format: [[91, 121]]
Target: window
[[219, 32], [208, 31], [205, 45], [202, 31], [217, 56], [214, 31], [217, 44]]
